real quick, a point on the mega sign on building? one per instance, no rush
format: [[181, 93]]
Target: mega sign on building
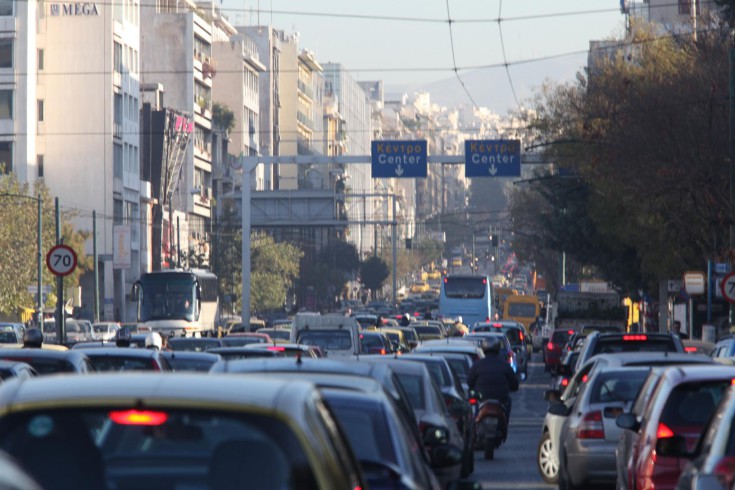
[[75, 9]]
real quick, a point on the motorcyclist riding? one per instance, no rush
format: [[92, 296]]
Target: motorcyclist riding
[[492, 376]]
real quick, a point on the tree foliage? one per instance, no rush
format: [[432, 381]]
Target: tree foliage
[[275, 267], [223, 117], [373, 273], [18, 243], [644, 139]]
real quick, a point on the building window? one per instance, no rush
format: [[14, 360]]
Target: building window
[[41, 60], [118, 57], [6, 53], [39, 165], [6, 8], [117, 211], [40, 111], [117, 160], [6, 104], [6, 157]]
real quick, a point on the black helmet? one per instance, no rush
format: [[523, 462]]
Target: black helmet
[[491, 345], [33, 338], [122, 337]]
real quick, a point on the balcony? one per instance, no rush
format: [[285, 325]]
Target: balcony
[[305, 120], [307, 91]]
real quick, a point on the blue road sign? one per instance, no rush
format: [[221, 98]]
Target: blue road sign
[[399, 159], [492, 158]]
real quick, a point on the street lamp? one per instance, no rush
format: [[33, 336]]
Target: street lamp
[[39, 255]]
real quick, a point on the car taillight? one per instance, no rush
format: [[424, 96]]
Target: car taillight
[[663, 431], [550, 346], [382, 352], [690, 349], [138, 417], [635, 337], [276, 348], [520, 335], [472, 401], [565, 382], [725, 470], [591, 426]]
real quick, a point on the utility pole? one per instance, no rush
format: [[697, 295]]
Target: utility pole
[[732, 168]]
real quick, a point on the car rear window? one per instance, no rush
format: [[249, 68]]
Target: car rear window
[[633, 343], [183, 448], [120, 363], [194, 345], [523, 310], [48, 366], [413, 386], [409, 334], [620, 385], [179, 364], [240, 341], [460, 367], [428, 330], [691, 404], [327, 340], [560, 336]]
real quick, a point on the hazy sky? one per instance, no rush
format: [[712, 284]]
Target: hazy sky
[[400, 51]]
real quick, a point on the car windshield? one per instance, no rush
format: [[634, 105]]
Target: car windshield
[[185, 448]]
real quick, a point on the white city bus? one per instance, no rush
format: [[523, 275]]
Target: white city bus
[[470, 297], [177, 302]]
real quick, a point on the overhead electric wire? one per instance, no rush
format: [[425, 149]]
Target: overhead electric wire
[[454, 59], [505, 59]]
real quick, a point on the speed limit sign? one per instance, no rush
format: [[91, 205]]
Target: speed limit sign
[[727, 286], [61, 260]]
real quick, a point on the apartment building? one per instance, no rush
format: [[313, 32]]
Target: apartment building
[[81, 104]]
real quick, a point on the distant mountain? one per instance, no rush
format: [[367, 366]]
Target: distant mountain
[[490, 87]]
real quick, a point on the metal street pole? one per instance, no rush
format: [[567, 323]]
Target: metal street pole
[[39, 261], [96, 301], [395, 252], [732, 168]]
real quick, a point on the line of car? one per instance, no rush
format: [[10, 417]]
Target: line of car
[[638, 411]]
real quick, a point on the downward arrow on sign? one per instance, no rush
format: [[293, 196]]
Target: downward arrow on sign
[[399, 170], [493, 169]]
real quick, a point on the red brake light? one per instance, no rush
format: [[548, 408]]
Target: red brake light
[[497, 325], [138, 417], [584, 378], [565, 382], [635, 337], [276, 348], [382, 352], [591, 426], [550, 346], [663, 432], [472, 401], [445, 280], [690, 348], [570, 332]]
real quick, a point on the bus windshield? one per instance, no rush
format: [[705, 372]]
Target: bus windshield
[[465, 287], [169, 296]]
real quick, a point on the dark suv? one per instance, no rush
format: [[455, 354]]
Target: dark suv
[[612, 343]]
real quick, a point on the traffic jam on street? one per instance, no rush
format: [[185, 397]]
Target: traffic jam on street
[[433, 262]]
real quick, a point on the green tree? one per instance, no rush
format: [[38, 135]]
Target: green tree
[[223, 117], [275, 267], [645, 135], [18, 243], [373, 273]]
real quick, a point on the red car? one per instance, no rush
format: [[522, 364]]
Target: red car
[[677, 412], [554, 348]]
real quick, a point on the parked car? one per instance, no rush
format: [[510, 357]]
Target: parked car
[[187, 430], [679, 408]]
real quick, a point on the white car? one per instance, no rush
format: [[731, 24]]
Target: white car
[[105, 331]]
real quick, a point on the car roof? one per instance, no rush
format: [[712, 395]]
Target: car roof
[[683, 373], [154, 389], [122, 352], [70, 355], [288, 364], [646, 358], [345, 381]]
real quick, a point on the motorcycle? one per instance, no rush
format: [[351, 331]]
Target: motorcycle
[[491, 425]]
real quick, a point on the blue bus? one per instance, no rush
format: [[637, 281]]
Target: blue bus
[[470, 297]]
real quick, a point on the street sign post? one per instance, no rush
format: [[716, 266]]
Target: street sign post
[[727, 287], [61, 260], [399, 159], [492, 158]]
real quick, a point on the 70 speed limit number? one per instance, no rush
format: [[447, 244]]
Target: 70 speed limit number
[[727, 286], [61, 260]]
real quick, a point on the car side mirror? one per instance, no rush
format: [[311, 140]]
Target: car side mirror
[[560, 409], [445, 455], [674, 446], [627, 421], [434, 436], [552, 395]]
